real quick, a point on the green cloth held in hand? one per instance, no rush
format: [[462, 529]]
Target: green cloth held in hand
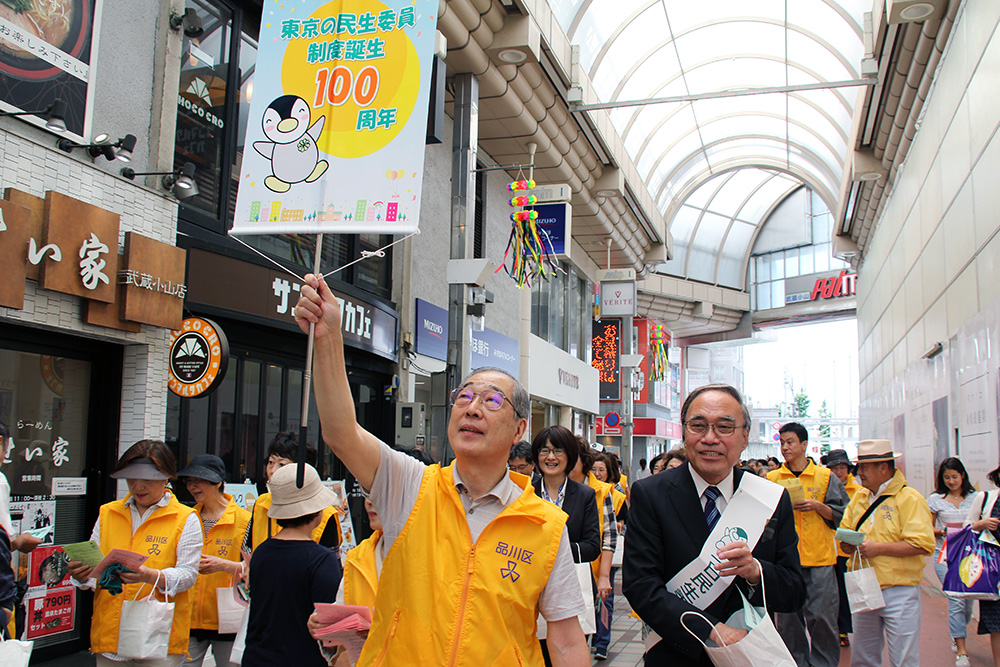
[[111, 580]]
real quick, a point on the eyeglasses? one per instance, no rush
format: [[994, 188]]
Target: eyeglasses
[[720, 428], [544, 452], [492, 399], [520, 467]]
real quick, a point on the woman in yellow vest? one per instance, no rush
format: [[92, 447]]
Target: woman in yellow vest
[[148, 521], [223, 523], [283, 451], [605, 469]]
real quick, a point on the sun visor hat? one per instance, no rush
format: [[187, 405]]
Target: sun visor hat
[[143, 468], [207, 467]]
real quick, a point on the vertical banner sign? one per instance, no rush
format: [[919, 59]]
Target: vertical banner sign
[[606, 345], [335, 139]]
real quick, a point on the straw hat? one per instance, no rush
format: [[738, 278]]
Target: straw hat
[[874, 451], [291, 502]]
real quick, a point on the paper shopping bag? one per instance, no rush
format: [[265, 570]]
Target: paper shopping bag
[[230, 611], [14, 653], [240, 644], [863, 590], [588, 619], [761, 647], [144, 629]]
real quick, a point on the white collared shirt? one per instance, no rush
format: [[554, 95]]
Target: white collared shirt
[[725, 487]]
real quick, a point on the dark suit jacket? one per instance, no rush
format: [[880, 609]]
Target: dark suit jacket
[[666, 531], [580, 504]]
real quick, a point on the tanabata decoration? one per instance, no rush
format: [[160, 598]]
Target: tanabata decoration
[[658, 353], [529, 252]]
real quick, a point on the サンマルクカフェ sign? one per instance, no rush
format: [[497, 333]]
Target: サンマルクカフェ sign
[[71, 246]]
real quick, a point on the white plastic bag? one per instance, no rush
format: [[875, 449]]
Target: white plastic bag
[[761, 647], [14, 653], [240, 643], [864, 593], [144, 628], [230, 610]]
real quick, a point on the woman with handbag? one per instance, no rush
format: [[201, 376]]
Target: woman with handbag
[[215, 614], [555, 452], [147, 622], [949, 505], [984, 514]]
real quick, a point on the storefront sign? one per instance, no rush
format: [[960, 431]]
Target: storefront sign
[[490, 348], [14, 235], [618, 298], [431, 327], [556, 220], [272, 294], [831, 285], [51, 614], [153, 282], [606, 345], [560, 378], [338, 118], [80, 246], [45, 50], [199, 354]]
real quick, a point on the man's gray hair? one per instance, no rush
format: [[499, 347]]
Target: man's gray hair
[[520, 401], [725, 389]]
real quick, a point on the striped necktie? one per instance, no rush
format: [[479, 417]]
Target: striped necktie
[[712, 513]]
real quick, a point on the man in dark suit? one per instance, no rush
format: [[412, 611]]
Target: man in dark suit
[[669, 523]]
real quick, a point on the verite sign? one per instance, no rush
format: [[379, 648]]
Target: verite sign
[[199, 354]]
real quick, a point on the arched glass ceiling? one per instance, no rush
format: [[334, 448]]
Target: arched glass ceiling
[[715, 227], [641, 49]]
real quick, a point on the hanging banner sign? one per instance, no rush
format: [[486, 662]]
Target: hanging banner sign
[[338, 120]]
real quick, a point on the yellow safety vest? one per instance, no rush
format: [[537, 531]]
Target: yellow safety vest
[[156, 538], [265, 527], [360, 573], [601, 491], [444, 600], [223, 541], [817, 547]]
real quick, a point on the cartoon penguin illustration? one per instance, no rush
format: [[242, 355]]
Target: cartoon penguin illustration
[[292, 146]]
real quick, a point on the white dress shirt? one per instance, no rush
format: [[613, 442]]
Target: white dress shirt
[[725, 487]]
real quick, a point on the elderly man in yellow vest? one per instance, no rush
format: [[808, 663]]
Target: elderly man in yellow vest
[[818, 499], [472, 554], [898, 536]]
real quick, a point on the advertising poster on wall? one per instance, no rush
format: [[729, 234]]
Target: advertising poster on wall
[[38, 515], [338, 119], [50, 614], [48, 567], [45, 55]]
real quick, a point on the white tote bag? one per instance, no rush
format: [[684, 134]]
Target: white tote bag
[[619, 556], [240, 643], [144, 628], [230, 610], [588, 621], [761, 647], [14, 653], [863, 590]]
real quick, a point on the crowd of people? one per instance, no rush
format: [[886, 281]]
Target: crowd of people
[[508, 555]]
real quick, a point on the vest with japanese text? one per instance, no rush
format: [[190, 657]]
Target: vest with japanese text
[[223, 541]]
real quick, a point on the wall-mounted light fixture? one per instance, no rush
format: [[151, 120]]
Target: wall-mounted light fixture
[[179, 182], [54, 115], [120, 150], [189, 20]]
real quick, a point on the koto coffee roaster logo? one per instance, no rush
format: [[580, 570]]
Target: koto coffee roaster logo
[[199, 354]]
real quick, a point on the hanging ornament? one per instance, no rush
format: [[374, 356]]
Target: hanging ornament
[[529, 252], [658, 353]]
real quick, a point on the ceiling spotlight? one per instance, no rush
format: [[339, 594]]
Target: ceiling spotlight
[[179, 182], [189, 20], [124, 147], [512, 56], [54, 114]]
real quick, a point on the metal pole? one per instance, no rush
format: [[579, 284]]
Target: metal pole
[[300, 470], [627, 427], [465, 143]]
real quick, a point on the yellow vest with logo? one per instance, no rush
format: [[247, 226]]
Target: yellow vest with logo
[[360, 573], [851, 487], [817, 547], [601, 491], [265, 527], [444, 600], [156, 538], [223, 541]]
